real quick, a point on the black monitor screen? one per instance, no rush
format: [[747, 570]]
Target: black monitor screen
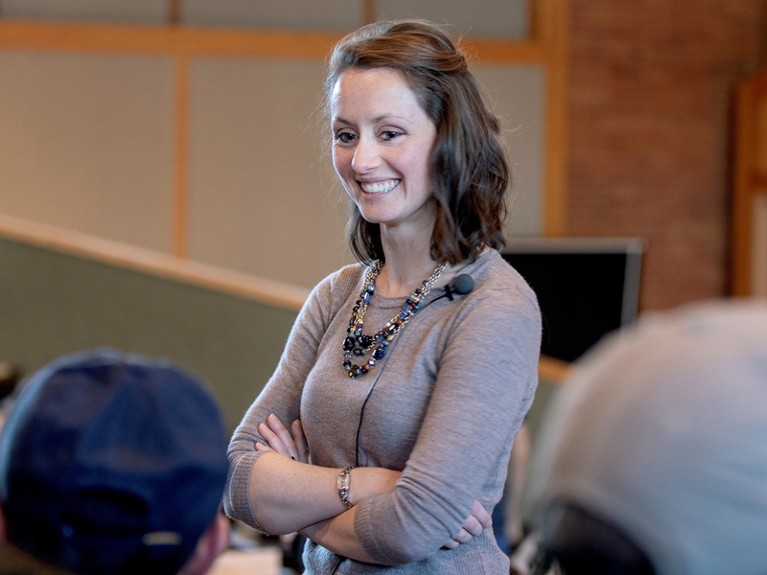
[[586, 288]]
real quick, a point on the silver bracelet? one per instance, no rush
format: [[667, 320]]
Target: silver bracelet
[[343, 485]]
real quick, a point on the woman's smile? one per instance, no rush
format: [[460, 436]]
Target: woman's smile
[[379, 187]]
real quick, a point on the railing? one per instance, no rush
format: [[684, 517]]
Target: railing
[[156, 263]]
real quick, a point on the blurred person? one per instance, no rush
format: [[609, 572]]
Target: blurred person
[[112, 464], [653, 458]]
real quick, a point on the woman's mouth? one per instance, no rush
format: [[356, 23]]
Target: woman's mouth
[[379, 187]]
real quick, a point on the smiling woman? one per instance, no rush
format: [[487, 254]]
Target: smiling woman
[[384, 434]]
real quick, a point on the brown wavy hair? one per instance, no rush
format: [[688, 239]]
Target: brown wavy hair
[[469, 169]]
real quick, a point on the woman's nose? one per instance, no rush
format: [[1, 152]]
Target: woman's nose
[[366, 156]]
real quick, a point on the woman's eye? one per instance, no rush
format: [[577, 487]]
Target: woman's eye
[[389, 135], [345, 137]]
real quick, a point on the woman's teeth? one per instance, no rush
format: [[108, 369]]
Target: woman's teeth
[[379, 187]]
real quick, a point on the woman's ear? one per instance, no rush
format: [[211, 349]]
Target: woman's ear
[[212, 543]]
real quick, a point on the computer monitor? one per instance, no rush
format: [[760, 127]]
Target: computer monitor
[[586, 287]]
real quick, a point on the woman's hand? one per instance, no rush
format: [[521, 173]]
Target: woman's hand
[[290, 443], [477, 521]]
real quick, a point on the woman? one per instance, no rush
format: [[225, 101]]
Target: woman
[[407, 375]]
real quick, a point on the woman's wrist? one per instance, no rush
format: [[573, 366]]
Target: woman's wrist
[[371, 481]]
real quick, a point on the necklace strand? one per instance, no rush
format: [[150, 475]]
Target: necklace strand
[[357, 344]]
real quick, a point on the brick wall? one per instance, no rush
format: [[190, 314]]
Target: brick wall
[[650, 94]]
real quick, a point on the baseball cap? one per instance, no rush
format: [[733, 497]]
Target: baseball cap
[[111, 463], [662, 432]]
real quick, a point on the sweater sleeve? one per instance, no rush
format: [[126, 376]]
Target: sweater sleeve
[[485, 382], [282, 393]]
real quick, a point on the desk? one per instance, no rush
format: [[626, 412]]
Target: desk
[[260, 561]]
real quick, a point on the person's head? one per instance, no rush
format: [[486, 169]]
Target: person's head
[[114, 464], [466, 167], [653, 459]]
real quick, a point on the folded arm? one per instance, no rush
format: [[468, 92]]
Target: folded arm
[[289, 480]]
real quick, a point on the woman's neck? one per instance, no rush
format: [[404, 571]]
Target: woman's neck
[[408, 261], [399, 279]]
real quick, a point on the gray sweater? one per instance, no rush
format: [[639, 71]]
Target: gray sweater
[[443, 408]]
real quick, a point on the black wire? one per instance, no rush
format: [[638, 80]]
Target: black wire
[[389, 353]]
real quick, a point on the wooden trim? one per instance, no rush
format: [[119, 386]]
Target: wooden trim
[[154, 263], [745, 145], [174, 12], [758, 181], [488, 51], [181, 156], [533, 20], [100, 38], [554, 29], [369, 11], [553, 370]]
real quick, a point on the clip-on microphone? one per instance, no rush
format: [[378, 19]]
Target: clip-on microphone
[[462, 284]]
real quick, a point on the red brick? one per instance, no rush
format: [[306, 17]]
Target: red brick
[[649, 103]]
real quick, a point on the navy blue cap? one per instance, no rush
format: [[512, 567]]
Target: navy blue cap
[[112, 463]]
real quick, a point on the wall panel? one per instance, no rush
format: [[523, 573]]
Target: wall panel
[[135, 11], [86, 143], [517, 95], [262, 195], [479, 18], [331, 15]]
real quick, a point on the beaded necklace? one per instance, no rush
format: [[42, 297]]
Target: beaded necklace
[[357, 344]]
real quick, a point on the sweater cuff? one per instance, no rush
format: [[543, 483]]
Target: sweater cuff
[[238, 504]]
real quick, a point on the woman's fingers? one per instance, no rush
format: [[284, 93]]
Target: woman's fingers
[[277, 436], [299, 440], [481, 515], [291, 443], [472, 526], [281, 432], [262, 447], [477, 521]]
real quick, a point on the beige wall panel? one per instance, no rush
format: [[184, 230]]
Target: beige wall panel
[[517, 94], [331, 15], [123, 11], [478, 18], [263, 198], [86, 143]]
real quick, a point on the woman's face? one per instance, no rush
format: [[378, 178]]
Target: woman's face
[[382, 144]]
